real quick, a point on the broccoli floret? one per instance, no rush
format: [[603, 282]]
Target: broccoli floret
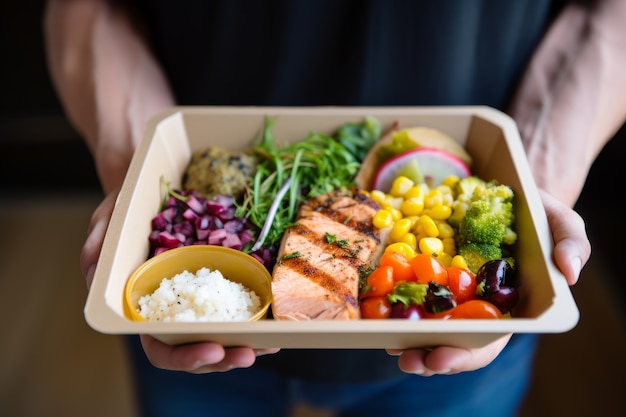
[[510, 237], [459, 208], [500, 198], [476, 254], [483, 212], [464, 188], [481, 225]]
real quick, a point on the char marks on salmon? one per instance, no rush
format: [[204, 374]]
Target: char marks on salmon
[[322, 258]]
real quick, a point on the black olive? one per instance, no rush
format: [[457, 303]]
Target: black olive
[[438, 298]]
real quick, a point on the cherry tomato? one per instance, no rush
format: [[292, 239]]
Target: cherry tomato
[[379, 282], [428, 268], [472, 309], [375, 308], [402, 270], [462, 283]]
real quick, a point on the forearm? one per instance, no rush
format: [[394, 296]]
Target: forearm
[[106, 78], [571, 100]]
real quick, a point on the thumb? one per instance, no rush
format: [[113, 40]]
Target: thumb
[[572, 248]]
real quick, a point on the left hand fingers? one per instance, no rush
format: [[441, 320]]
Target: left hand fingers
[[572, 248], [446, 359]]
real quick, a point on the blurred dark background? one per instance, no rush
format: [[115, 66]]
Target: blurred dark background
[[53, 364], [42, 152], [39, 149]]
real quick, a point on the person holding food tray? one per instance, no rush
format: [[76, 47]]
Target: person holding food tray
[[557, 67]]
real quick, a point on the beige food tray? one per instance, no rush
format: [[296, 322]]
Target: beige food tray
[[546, 303]]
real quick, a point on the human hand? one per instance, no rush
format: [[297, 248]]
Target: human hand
[[95, 236], [194, 358], [571, 252], [200, 358]]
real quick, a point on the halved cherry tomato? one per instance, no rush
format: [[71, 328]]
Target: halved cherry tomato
[[472, 309], [402, 270], [462, 283], [428, 268], [380, 282], [375, 308]]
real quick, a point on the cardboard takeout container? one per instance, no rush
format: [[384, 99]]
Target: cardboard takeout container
[[546, 304]]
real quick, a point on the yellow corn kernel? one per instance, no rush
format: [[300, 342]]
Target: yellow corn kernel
[[414, 192], [390, 201], [459, 261], [382, 219], [450, 180], [445, 259], [412, 207], [418, 237], [433, 194], [431, 246], [433, 201], [413, 220], [449, 245], [395, 214], [399, 229], [403, 248], [378, 197], [444, 189], [445, 230], [410, 240], [447, 200], [400, 186], [426, 225], [438, 211]]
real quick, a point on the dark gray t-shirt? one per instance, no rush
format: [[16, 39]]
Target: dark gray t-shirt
[[344, 52]]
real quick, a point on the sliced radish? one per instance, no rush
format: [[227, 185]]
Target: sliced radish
[[430, 165]]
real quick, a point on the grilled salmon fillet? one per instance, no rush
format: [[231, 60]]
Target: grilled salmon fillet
[[322, 257]]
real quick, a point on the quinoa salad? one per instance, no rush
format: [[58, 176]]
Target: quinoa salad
[[204, 296]]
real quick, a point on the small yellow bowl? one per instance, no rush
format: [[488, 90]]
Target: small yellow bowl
[[234, 265]]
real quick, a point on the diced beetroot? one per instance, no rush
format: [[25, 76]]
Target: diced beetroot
[[170, 213], [224, 200], [171, 202], [186, 228], [233, 226], [168, 240], [266, 255], [160, 249], [196, 204], [203, 222], [193, 220], [153, 238], [257, 257], [227, 214], [190, 214], [202, 234], [232, 241], [159, 222], [245, 236], [215, 208], [217, 236]]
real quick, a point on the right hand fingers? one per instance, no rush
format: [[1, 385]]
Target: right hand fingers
[[95, 236], [199, 358]]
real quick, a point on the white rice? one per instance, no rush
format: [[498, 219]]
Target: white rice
[[203, 296]]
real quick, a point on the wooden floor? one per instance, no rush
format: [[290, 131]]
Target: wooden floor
[[52, 364]]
